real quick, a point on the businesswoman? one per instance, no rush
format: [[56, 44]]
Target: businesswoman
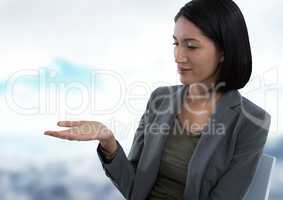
[[200, 140]]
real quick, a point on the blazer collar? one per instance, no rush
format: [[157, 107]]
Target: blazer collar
[[228, 99]]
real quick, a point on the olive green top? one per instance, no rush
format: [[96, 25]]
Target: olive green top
[[171, 179]]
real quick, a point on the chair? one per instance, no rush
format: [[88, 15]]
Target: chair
[[260, 185]]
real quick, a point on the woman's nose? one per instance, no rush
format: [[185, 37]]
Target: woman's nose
[[180, 55]]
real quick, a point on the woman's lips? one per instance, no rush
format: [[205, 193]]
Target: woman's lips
[[181, 69]]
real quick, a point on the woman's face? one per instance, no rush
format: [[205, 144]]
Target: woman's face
[[196, 55]]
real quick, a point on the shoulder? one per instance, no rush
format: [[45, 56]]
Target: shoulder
[[252, 126], [162, 93], [252, 116], [171, 89], [247, 106]]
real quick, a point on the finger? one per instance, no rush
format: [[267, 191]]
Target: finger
[[66, 134], [70, 123]]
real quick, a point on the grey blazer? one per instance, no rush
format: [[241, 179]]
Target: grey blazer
[[222, 165]]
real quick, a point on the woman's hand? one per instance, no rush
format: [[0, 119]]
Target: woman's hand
[[82, 131], [87, 130]]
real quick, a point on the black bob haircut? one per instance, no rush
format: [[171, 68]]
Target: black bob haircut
[[222, 21]]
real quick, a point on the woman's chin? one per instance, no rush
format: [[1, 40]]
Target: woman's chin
[[186, 81]]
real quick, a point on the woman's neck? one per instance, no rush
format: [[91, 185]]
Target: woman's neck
[[200, 92]]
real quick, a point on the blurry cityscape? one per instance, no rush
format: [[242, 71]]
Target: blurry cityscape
[[28, 177], [77, 177]]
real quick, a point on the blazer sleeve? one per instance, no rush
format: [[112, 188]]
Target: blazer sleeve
[[249, 147], [122, 169]]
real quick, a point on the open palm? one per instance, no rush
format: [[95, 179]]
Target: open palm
[[82, 131]]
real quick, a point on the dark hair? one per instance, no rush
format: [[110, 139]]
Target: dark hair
[[222, 21]]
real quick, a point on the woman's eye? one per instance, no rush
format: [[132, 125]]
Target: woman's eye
[[191, 46], [188, 46]]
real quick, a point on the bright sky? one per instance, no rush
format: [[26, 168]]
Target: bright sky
[[124, 47]]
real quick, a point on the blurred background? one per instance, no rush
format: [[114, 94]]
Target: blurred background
[[100, 60]]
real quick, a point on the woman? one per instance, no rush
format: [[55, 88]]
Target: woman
[[200, 140]]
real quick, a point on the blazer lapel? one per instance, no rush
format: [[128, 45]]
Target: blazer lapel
[[208, 142]]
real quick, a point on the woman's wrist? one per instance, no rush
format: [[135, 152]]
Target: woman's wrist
[[108, 155], [109, 147]]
